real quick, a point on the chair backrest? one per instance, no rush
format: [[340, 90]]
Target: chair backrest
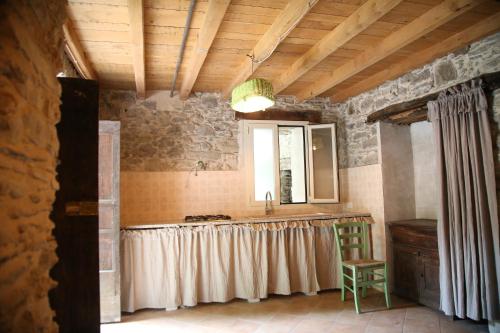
[[350, 236]]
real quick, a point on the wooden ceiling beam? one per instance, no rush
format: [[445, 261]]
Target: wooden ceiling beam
[[75, 52], [459, 40], [277, 114], [422, 25], [136, 19], [286, 21], [358, 21], [211, 22]]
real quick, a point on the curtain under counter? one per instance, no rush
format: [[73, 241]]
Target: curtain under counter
[[184, 266]]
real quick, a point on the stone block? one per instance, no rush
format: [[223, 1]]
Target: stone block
[[444, 71], [209, 101]]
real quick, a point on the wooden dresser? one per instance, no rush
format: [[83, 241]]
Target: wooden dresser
[[415, 260]]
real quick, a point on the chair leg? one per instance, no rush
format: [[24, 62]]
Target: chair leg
[[386, 288], [365, 279], [342, 285], [355, 288]]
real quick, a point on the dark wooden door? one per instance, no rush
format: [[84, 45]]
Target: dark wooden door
[[109, 220], [76, 297], [405, 271]]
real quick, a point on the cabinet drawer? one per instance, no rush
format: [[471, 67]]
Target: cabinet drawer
[[418, 237]]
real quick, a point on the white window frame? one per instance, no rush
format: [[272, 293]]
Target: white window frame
[[336, 197], [251, 173], [248, 125]]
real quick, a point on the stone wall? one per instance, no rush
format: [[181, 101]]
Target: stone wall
[[30, 50], [163, 133], [361, 141]]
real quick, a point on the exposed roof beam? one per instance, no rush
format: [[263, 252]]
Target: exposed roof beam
[[136, 18], [432, 19], [276, 114], [461, 39], [286, 21], [211, 22], [358, 21], [75, 51]]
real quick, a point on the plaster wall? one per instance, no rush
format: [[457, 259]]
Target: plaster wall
[[397, 172], [424, 170]]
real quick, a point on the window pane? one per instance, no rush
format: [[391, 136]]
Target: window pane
[[292, 164], [322, 163], [263, 159]]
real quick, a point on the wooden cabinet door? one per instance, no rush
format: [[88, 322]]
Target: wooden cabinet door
[[109, 220], [405, 271], [428, 280]]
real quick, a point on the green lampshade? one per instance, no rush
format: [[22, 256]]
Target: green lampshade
[[252, 95]]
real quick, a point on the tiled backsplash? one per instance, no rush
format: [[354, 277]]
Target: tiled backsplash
[[361, 191], [157, 197]]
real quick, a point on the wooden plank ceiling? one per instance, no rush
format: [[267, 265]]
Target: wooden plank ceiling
[[334, 48]]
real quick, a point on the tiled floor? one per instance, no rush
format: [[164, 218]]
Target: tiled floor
[[324, 313]]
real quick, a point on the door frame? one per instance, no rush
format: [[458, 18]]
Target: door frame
[[112, 312]]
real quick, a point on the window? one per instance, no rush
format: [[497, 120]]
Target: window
[[323, 162], [264, 164], [292, 164], [293, 161]]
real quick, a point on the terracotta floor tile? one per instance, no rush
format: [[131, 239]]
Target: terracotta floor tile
[[393, 317], [280, 324], [241, 326], [218, 321], [411, 328], [323, 313], [348, 316], [421, 313], [347, 328], [313, 325], [384, 328]]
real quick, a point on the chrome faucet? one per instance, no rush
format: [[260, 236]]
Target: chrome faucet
[[269, 203]]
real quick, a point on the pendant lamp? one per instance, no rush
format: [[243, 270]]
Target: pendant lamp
[[252, 95]]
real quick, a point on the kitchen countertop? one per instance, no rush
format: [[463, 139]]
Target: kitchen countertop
[[246, 220]]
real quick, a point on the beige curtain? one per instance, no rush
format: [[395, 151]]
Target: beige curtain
[[468, 220], [174, 266]]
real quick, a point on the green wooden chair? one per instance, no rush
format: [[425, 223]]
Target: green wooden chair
[[363, 272]]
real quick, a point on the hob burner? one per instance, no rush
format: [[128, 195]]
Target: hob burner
[[202, 218]]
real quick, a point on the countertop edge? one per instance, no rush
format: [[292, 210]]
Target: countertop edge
[[244, 220]]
